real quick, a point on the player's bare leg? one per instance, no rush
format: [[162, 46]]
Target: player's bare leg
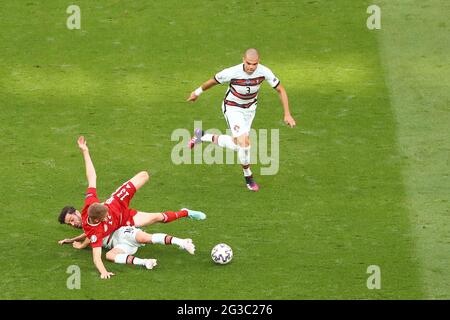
[[165, 239], [117, 255], [243, 142], [142, 219], [140, 179]]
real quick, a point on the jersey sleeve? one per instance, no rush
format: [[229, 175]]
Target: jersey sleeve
[[90, 196], [224, 76], [273, 81], [96, 239]]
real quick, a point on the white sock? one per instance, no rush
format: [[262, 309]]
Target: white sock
[[138, 261], [207, 137], [162, 238], [159, 238], [247, 171], [125, 258], [121, 258], [225, 141], [177, 241], [244, 155]]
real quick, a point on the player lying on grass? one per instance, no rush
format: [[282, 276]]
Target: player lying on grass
[[239, 107], [72, 217], [125, 241], [100, 220]]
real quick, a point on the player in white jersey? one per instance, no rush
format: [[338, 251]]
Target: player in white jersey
[[125, 242], [239, 107]]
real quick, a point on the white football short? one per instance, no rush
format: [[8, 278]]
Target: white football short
[[239, 120], [125, 238]]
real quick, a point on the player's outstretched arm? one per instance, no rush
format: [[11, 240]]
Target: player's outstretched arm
[[81, 237], [90, 170], [97, 257], [205, 86], [285, 102], [81, 245]]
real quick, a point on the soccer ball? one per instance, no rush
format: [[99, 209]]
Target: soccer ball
[[222, 253]]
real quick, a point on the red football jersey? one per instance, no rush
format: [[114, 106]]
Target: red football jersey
[[118, 213]]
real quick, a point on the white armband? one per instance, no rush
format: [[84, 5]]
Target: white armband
[[198, 91]]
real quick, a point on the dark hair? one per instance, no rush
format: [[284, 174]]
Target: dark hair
[[64, 212]]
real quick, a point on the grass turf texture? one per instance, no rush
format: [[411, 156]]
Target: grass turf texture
[[340, 202]]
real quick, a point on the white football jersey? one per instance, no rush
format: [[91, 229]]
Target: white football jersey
[[243, 89]]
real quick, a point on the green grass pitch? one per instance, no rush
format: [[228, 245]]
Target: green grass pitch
[[363, 178]]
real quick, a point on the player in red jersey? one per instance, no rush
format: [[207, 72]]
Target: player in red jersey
[[100, 220]]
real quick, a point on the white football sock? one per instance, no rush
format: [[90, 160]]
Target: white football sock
[[207, 137], [244, 155], [247, 172], [159, 238], [162, 238], [122, 259], [225, 141], [177, 241], [138, 261]]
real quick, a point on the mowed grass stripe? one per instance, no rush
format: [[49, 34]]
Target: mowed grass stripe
[[333, 209], [415, 46]]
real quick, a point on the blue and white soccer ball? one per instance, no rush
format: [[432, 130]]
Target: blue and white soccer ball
[[222, 253]]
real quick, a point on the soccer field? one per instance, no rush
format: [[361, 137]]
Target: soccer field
[[363, 178]]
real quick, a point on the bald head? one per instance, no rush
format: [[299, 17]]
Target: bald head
[[252, 54], [251, 60]]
